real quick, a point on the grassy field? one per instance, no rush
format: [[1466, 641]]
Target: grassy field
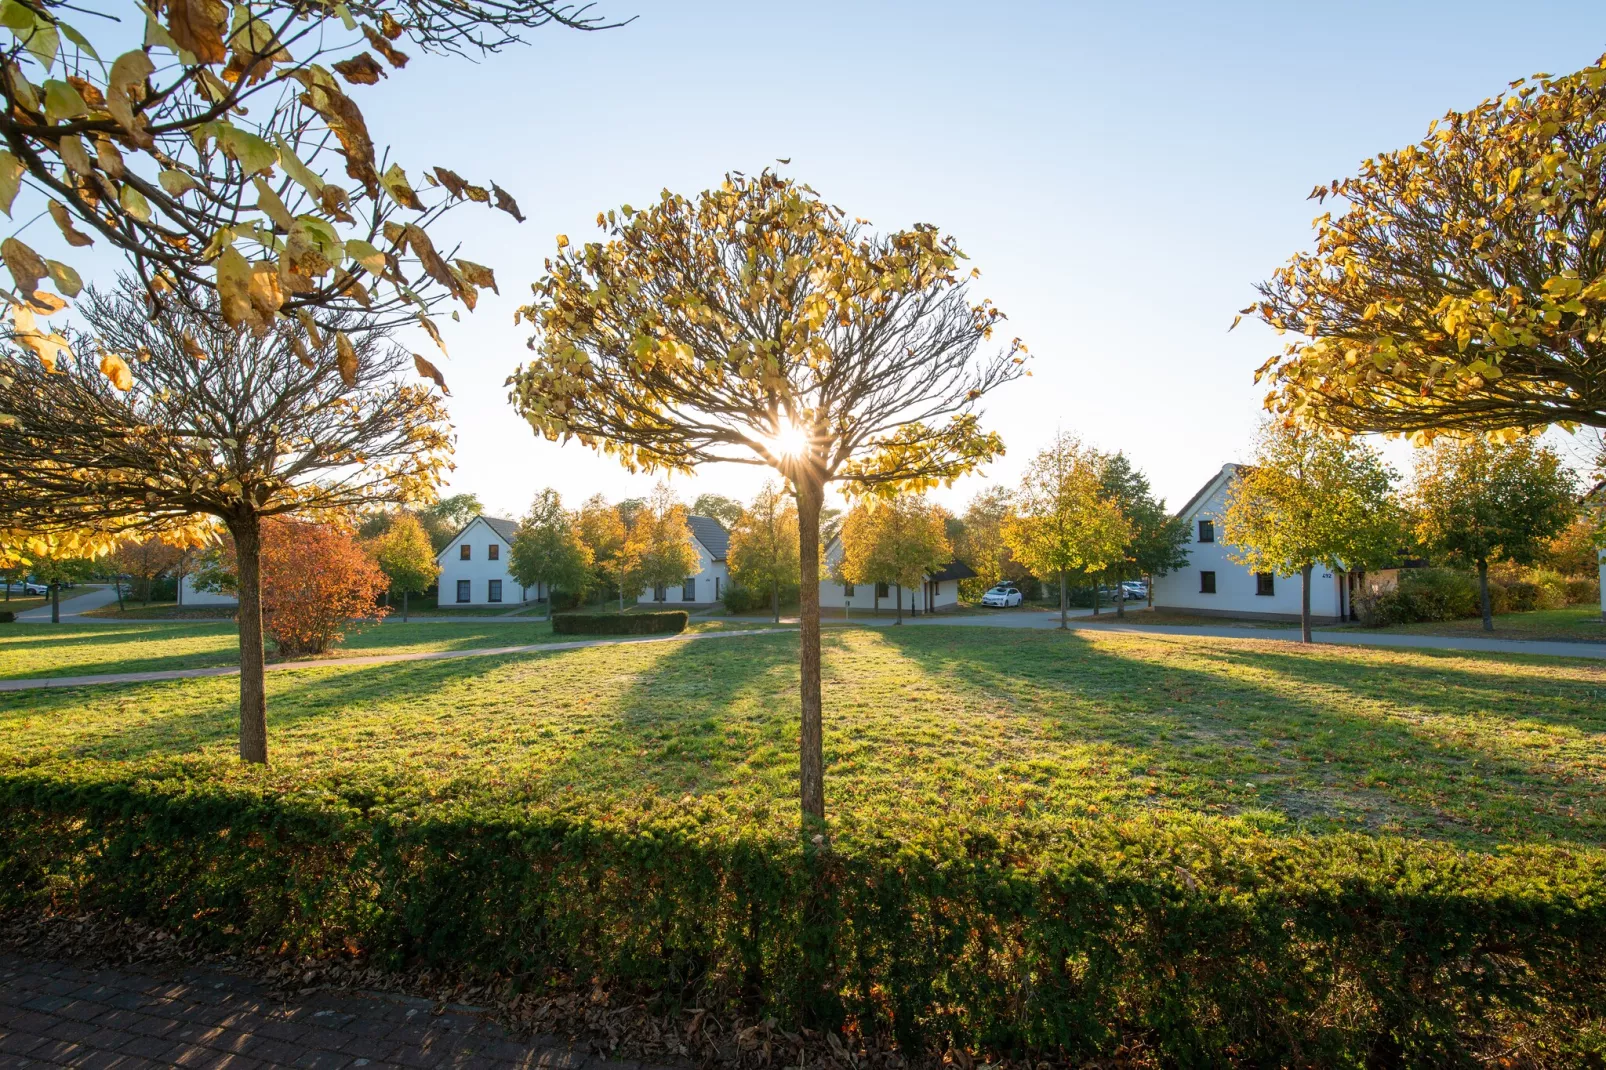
[[132, 610], [42, 650], [926, 725], [1580, 624], [18, 603]]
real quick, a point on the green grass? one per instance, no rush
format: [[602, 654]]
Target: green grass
[[132, 610], [1578, 624], [940, 727], [18, 603]]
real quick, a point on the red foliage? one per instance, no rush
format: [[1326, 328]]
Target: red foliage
[[315, 579]]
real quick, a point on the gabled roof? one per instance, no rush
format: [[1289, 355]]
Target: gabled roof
[[712, 534], [1227, 470], [953, 570], [503, 528]]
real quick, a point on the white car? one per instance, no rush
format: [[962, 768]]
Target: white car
[[1003, 595]]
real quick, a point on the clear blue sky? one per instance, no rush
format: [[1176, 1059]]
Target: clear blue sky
[[1122, 174]]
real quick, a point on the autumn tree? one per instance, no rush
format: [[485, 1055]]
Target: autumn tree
[[756, 324], [980, 544], [144, 560], [1307, 499], [201, 142], [406, 557], [728, 511], [763, 545], [264, 426], [1575, 551], [897, 541], [1156, 540], [548, 549], [659, 550], [317, 582], [603, 533], [1463, 285], [1474, 501], [1060, 520]]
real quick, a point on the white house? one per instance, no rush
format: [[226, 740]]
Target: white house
[[189, 596], [940, 589], [474, 566], [707, 585], [1212, 584]]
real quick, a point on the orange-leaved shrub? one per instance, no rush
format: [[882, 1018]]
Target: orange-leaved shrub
[[316, 579]]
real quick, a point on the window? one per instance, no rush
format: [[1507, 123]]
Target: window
[[465, 552], [1207, 531], [847, 590], [1265, 583], [659, 593], [493, 552], [881, 590], [462, 589], [1207, 583], [688, 590], [494, 593]]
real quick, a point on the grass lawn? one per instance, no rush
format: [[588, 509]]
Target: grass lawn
[[133, 610], [1580, 624], [1142, 615], [953, 727], [43, 650], [18, 603]]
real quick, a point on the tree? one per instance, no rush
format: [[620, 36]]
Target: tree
[[1475, 502], [755, 324], [602, 531], [895, 540], [728, 511], [1157, 540], [659, 550], [1575, 552], [763, 545], [253, 431], [548, 548], [1311, 498], [201, 148], [144, 560], [1060, 521], [406, 557], [980, 543], [1463, 287], [316, 579]]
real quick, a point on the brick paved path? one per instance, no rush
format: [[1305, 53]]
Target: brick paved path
[[54, 1014]]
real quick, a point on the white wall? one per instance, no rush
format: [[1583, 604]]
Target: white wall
[[833, 595], [1235, 585], [479, 569], [708, 583], [189, 596]]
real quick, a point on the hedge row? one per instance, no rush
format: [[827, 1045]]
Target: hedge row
[[665, 622], [1202, 942]]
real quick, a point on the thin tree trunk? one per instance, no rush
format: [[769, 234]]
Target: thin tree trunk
[[811, 748], [1304, 604], [1095, 595], [621, 590], [1120, 597], [404, 607], [899, 588], [1148, 589], [117, 585], [1065, 604], [55, 602], [247, 532], [775, 600], [1483, 596]]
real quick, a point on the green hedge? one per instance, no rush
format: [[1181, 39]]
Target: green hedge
[[1194, 942], [7, 616], [666, 622]]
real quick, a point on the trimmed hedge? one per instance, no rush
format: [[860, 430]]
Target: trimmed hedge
[[1196, 942], [665, 622], [7, 616]]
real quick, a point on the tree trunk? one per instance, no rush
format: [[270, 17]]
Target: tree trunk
[[621, 590], [899, 588], [404, 607], [247, 532], [117, 585], [1095, 595], [1149, 590], [811, 740], [1483, 596], [1120, 597], [1065, 604], [1304, 604], [55, 602]]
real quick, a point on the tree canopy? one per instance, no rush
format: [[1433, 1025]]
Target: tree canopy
[[763, 545], [1463, 286], [1476, 502], [548, 549], [896, 541], [1310, 498], [1157, 540], [407, 558], [659, 547]]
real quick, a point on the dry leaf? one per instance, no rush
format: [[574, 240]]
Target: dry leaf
[[346, 358], [26, 266], [64, 221], [361, 70], [396, 57], [507, 203], [478, 274], [433, 331], [116, 369], [429, 371], [197, 26]]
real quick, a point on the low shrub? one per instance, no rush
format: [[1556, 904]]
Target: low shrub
[[1422, 594], [1189, 942], [663, 622], [1583, 590], [7, 616], [739, 599], [564, 601]]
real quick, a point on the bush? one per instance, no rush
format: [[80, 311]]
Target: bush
[[1422, 594], [663, 622], [7, 616], [563, 601], [1192, 942], [1583, 590], [738, 599]]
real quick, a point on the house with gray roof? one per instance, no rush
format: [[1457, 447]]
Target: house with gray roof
[[708, 584]]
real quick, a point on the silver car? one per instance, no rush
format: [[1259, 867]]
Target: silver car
[[1002, 596]]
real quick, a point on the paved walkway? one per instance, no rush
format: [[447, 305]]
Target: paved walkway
[[72, 608], [55, 1014], [39, 682]]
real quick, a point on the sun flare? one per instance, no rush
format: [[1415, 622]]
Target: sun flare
[[790, 441]]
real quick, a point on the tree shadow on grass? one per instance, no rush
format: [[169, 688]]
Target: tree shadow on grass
[[1199, 720], [120, 641]]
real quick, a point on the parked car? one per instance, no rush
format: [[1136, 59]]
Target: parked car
[[1136, 591], [29, 587], [1003, 596]]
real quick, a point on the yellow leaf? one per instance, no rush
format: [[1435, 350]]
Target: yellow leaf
[[116, 369], [234, 288], [134, 203], [434, 332], [366, 255], [176, 183], [271, 206], [65, 278], [429, 371], [346, 358], [10, 180]]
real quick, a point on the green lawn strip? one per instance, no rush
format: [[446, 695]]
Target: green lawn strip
[[1576, 624], [165, 611], [20, 603], [1213, 826]]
